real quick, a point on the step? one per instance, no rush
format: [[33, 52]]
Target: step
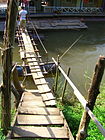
[[39, 110], [36, 120], [33, 103], [40, 132]]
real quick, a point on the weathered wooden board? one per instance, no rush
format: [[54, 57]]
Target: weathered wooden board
[[43, 88], [39, 110], [32, 92], [32, 104], [37, 75], [40, 132], [33, 64], [35, 67], [47, 96], [32, 98], [50, 103], [40, 81], [39, 120], [35, 70], [31, 61]]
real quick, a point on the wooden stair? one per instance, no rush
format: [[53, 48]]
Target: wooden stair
[[35, 120]]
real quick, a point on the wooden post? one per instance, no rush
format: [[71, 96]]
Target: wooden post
[[92, 95], [12, 10], [56, 78], [65, 85]]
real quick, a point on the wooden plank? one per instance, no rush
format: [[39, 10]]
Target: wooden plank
[[34, 64], [35, 67], [39, 120], [40, 132], [31, 98], [43, 89], [36, 70], [41, 81], [47, 96], [50, 103], [31, 92], [39, 110], [37, 76], [32, 61], [35, 103], [29, 55]]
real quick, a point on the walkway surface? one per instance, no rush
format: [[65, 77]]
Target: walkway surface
[[37, 115]]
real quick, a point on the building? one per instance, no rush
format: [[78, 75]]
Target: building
[[68, 7], [62, 7]]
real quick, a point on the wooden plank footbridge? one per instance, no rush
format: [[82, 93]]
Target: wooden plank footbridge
[[37, 115]]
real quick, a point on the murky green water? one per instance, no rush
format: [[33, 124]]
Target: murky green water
[[82, 57]]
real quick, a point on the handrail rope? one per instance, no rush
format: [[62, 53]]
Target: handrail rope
[[82, 100], [38, 37]]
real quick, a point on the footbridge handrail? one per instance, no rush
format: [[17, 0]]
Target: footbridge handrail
[[81, 99]]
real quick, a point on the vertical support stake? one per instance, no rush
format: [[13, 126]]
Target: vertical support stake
[[65, 85]]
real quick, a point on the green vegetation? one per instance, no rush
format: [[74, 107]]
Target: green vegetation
[[99, 111], [73, 114], [2, 137]]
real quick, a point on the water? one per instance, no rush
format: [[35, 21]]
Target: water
[[82, 57]]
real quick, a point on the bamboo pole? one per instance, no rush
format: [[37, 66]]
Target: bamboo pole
[[7, 64], [65, 85], [92, 95], [56, 78]]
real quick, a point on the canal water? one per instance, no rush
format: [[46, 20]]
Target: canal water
[[81, 58]]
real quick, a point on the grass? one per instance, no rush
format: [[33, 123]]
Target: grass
[[99, 111], [73, 113]]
